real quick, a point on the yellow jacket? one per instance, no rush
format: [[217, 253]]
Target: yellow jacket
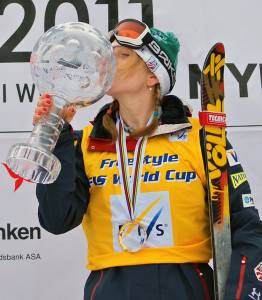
[[173, 176]]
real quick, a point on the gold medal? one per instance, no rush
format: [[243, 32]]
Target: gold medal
[[132, 236]]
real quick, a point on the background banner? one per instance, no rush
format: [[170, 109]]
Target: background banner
[[36, 265]]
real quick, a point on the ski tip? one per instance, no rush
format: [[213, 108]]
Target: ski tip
[[219, 47]]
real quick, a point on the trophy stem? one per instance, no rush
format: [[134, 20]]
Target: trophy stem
[[34, 160], [46, 133]]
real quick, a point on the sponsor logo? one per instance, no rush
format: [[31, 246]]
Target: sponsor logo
[[254, 295], [232, 158], [258, 271], [18, 180], [216, 118], [19, 233], [152, 64], [162, 56], [212, 118], [156, 218], [248, 200], [238, 178], [17, 257], [180, 136]]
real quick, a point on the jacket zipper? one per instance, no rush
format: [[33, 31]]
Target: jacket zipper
[[241, 277], [97, 285], [203, 282]]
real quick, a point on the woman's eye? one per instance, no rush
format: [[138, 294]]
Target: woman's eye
[[125, 54]]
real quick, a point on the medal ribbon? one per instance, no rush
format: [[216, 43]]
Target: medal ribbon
[[130, 185]]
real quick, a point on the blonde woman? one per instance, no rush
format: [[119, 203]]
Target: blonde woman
[[135, 180]]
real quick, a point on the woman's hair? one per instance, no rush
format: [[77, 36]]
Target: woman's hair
[[108, 121], [110, 126]]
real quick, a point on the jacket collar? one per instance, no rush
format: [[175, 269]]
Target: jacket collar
[[174, 117]]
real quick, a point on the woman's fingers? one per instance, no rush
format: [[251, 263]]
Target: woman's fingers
[[69, 112], [42, 109], [44, 105], [45, 100]]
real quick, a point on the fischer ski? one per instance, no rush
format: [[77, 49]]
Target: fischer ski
[[213, 120]]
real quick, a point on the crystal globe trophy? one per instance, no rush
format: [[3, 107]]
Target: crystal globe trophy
[[74, 63]]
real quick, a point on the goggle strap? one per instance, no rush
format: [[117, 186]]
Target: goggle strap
[[126, 44], [154, 47]]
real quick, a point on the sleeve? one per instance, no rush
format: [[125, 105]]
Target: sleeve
[[245, 275], [63, 203]]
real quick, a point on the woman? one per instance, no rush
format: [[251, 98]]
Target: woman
[[148, 237]]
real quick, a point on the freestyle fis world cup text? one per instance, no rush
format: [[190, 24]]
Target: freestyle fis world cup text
[[148, 177]]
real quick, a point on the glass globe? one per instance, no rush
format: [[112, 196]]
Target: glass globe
[[74, 63]]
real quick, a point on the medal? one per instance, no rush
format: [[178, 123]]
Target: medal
[[132, 235]]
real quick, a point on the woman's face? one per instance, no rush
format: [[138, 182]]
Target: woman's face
[[131, 73]]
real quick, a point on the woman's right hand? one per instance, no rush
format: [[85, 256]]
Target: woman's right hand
[[44, 106]]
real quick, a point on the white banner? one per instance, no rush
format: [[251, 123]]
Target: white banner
[[37, 265], [198, 24]]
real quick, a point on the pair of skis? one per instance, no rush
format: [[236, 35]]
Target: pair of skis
[[213, 119]]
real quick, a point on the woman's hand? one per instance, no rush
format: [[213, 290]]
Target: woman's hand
[[45, 105]]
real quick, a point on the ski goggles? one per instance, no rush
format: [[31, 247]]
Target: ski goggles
[[130, 33], [135, 34]]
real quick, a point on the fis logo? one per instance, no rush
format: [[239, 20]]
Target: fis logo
[[248, 200], [232, 158], [153, 211], [153, 223], [158, 228], [238, 178], [180, 136]]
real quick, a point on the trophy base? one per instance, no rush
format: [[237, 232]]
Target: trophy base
[[33, 163]]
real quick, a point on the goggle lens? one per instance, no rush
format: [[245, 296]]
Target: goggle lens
[[130, 28]]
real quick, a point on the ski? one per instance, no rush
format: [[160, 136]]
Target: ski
[[213, 120]]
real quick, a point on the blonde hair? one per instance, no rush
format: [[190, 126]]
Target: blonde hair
[[110, 126]]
